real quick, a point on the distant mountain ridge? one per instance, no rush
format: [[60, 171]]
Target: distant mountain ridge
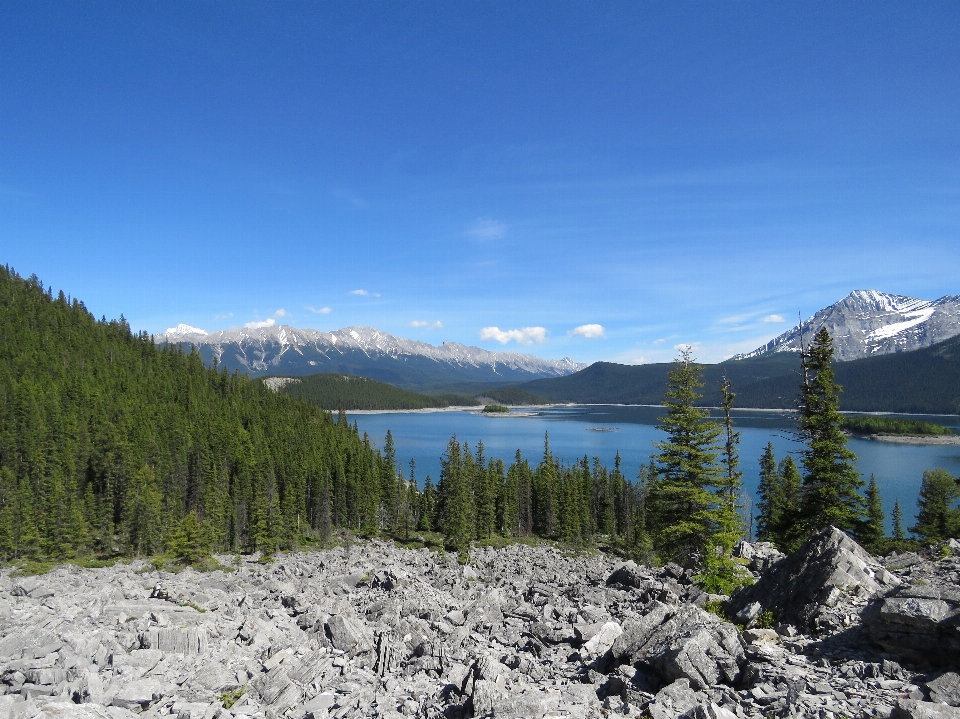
[[868, 323], [367, 351]]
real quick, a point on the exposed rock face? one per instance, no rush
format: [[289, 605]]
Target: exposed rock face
[[377, 631], [829, 571]]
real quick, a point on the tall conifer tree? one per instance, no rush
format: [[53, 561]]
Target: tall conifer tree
[[831, 483], [679, 503]]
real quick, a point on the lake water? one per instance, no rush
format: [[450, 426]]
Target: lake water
[[574, 432]]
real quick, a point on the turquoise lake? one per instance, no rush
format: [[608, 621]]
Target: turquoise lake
[[603, 430]]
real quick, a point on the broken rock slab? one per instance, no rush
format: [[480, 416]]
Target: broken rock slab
[[682, 642], [802, 588]]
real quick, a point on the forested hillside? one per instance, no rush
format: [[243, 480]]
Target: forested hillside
[[341, 391], [923, 381], [111, 445]]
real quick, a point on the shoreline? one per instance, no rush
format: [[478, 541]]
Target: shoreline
[[478, 408], [942, 439]]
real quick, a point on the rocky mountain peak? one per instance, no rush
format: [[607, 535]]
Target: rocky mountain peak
[[868, 323]]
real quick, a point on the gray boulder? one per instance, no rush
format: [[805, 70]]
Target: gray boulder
[[760, 556], [683, 642], [802, 588], [674, 700], [919, 624], [912, 709], [945, 689]]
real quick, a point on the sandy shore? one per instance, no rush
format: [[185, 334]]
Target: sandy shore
[[910, 439]]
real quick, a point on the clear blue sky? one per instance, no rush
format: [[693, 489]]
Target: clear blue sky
[[672, 172]]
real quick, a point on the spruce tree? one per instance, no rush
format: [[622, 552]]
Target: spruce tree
[[898, 534], [787, 532], [769, 505], [937, 518], [720, 573], [831, 483], [872, 533], [679, 503]]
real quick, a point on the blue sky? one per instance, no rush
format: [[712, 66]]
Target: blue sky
[[493, 173]]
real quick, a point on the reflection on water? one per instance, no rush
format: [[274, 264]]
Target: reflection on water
[[572, 429]]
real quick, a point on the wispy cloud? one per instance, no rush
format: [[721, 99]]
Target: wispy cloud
[[350, 198], [260, 324], [589, 331], [280, 313], [774, 318], [438, 325], [485, 228], [223, 316], [692, 346], [523, 336], [364, 293], [659, 341], [320, 310]]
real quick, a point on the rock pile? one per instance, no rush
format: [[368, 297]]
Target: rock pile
[[374, 630]]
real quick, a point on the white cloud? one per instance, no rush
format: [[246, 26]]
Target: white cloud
[[320, 311], [223, 316], [659, 341], [523, 336], [485, 228], [438, 325], [773, 318], [588, 331], [364, 293], [258, 325], [280, 313], [692, 346]]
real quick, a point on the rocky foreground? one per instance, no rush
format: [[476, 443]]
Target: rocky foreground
[[375, 630]]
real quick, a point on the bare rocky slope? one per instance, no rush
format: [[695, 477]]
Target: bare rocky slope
[[867, 323], [380, 631]]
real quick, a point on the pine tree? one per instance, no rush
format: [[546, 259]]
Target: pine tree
[[188, 542], [455, 497], [769, 505], [937, 518], [787, 533], [721, 573], [898, 534], [872, 532], [831, 483], [679, 503]]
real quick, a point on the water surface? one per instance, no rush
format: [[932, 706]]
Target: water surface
[[601, 431]]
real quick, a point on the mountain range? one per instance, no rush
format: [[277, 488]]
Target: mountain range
[[366, 351], [894, 353]]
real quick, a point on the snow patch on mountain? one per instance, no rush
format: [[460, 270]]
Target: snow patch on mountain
[[182, 332], [867, 323]]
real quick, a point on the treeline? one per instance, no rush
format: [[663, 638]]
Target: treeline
[[479, 498], [351, 392], [890, 425], [110, 445]]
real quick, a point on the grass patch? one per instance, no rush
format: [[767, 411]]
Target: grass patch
[[229, 698]]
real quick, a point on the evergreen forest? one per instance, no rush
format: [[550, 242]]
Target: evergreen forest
[[351, 392]]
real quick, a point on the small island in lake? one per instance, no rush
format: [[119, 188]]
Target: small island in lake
[[496, 409], [891, 429]]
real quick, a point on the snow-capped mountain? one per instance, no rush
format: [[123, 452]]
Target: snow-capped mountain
[[281, 349], [866, 323]]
